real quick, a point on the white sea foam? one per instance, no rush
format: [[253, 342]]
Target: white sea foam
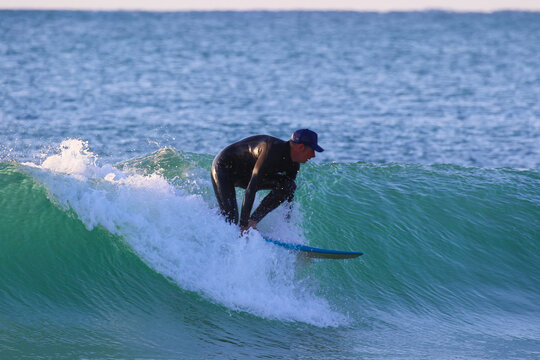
[[183, 238]]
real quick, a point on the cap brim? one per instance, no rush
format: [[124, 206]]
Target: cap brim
[[317, 148]]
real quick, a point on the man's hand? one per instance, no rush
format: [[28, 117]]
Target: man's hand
[[251, 225]]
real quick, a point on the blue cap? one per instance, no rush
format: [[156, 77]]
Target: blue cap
[[306, 137]]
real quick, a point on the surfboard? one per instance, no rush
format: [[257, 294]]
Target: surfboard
[[313, 252]]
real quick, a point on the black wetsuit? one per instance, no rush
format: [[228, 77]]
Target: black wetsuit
[[259, 162]]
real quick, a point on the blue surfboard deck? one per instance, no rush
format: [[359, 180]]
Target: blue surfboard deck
[[314, 252]]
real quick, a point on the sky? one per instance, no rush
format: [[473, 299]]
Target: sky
[[355, 5]]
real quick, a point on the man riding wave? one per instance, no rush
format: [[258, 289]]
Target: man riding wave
[[260, 162]]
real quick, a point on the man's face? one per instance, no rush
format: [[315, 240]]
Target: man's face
[[305, 153]]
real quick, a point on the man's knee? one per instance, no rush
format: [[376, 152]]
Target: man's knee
[[285, 190]]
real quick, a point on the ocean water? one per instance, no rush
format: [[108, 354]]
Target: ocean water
[[111, 245]]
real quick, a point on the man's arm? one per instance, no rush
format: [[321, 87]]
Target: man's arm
[[251, 189]]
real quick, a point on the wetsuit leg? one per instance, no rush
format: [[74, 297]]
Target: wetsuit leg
[[282, 189], [225, 193]]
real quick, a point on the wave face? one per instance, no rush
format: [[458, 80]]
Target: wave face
[[132, 260]]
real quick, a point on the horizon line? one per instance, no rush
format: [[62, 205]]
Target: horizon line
[[276, 5]]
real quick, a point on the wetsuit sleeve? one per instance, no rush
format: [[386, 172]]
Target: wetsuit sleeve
[[251, 189]]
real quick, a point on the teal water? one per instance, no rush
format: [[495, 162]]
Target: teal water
[[110, 242], [101, 261]]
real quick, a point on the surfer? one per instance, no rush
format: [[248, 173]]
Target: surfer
[[260, 162]]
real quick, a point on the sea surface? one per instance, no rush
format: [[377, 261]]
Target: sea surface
[[111, 246]]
